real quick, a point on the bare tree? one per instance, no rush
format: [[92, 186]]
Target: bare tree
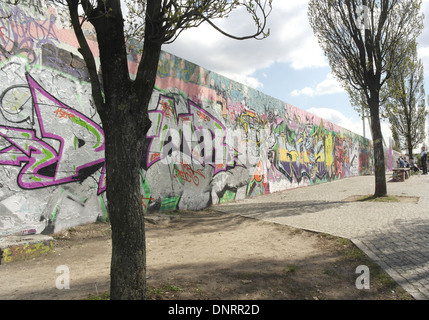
[[122, 104], [364, 41]]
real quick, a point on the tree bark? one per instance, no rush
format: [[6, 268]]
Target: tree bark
[[125, 124], [377, 139], [410, 145], [128, 264]]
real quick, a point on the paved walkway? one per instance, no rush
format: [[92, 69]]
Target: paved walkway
[[395, 235]]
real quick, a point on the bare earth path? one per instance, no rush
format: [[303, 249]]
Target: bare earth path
[[206, 255]]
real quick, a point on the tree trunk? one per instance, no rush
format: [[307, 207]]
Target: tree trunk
[[377, 138], [409, 143], [125, 124], [410, 152], [128, 265]]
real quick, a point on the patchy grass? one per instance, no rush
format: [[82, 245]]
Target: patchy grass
[[102, 296], [289, 269], [166, 291], [385, 199], [152, 293], [373, 198], [381, 283]]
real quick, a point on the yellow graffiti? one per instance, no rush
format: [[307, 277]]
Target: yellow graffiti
[[283, 155], [27, 251], [329, 150], [294, 155], [320, 157], [305, 156]]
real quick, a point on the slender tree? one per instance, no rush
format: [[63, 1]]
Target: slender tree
[[406, 106], [122, 104], [364, 41]]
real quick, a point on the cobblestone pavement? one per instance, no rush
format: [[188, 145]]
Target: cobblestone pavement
[[395, 235]]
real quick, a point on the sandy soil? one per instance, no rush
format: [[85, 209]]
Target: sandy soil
[[205, 255]]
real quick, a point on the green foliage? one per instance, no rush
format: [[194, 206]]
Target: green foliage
[[406, 107]]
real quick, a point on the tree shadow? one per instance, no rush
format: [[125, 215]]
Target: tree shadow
[[316, 277], [230, 217], [322, 274], [279, 209], [79, 289], [199, 222]]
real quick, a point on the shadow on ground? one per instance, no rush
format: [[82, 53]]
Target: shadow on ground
[[279, 209]]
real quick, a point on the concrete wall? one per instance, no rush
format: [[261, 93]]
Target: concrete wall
[[212, 139]]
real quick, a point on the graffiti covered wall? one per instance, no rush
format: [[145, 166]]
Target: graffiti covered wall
[[51, 141], [287, 147], [212, 140]]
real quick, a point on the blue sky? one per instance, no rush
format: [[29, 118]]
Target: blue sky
[[289, 65]]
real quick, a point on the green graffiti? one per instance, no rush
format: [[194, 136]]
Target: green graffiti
[[103, 209], [169, 204], [146, 198], [228, 196], [91, 129]]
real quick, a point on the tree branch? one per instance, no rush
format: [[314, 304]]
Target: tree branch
[[87, 55]]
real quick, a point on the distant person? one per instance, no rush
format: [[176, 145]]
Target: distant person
[[424, 158], [401, 162], [413, 165]]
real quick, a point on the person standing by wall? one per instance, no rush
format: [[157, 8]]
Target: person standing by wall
[[401, 161], [424, 158]]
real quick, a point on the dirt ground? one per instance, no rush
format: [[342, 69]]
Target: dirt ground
[[205, 255]]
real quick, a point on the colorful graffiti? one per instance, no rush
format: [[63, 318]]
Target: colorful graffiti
[[50, 144], [26, 251], [25, 23], [275, 152], [212, 140], [44, 166], [195, 133], [51, 141]]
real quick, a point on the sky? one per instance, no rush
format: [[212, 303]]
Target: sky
[[288, 65]]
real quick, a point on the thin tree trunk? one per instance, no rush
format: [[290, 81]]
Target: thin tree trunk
[[377, 138], [409, 143]]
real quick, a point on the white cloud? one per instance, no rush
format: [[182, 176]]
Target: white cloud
[[424, 37], [423, 40], [338, 118], [328, 86], [354, 124], [307, 91], [248, 81], [423, 54], [291, 42]]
